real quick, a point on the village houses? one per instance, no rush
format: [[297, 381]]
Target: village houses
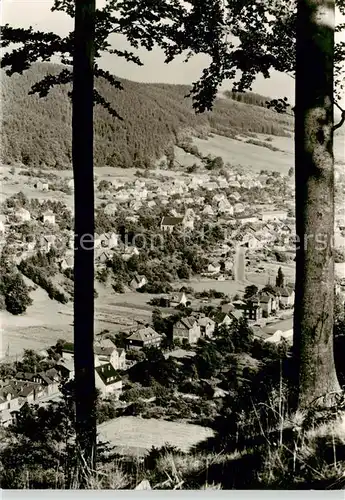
[[144, 337], [187, 329], [48, 217], [42, 186], [108, 381]]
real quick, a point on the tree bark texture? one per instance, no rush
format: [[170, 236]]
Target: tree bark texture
[[314, 174], [82, 154]]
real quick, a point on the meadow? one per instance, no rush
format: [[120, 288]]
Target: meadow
[[136, 436]]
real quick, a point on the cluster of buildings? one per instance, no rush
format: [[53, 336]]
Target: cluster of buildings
[[26, 388], [265, 220], [39, 387]]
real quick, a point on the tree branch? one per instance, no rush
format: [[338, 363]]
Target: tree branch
[[342, 120], [341, 123]]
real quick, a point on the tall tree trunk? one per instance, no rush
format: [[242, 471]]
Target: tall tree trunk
[[82, 152], [314, 163]]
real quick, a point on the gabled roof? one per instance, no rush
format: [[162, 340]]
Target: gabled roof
[[104, 351], [45, 378], [219, 317], [144, 334], [69, 261], [52, 373], [106, 373], [139, 277], [68, 347], [235, 314], [177, 297], [26, 391], [24, 375], [9, 389], [67, 365], [205, 321], [171, 221], [284, 292], [187, 322]]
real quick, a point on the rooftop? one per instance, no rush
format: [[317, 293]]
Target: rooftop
[[108, 374]]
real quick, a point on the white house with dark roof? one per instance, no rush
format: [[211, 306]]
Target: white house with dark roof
[[221, 318], [138, 281], [49, 380], [108, 381], [168, 224], [177, 299]]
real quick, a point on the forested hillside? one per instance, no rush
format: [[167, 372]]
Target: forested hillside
[[36, 131], [247, 98]]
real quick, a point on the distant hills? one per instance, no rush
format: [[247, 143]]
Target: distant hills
[[37, 131]]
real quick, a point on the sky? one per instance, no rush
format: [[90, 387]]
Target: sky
[[36, 13]]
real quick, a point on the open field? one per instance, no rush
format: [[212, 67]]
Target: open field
[[136, 436], [249, 156], [229, 287], [257, 158], [46, 321]]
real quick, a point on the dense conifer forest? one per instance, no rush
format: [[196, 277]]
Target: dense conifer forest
[[154, 116]]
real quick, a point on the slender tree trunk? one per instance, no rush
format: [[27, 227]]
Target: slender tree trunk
[[314, 162], [82, 152]]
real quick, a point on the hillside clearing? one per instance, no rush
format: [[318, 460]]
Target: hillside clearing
[[134, 435]]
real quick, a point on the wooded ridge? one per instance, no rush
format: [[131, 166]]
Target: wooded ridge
[[154, 115]]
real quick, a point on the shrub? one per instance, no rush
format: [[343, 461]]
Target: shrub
[[118, 287], [263, 144], [281, 257]]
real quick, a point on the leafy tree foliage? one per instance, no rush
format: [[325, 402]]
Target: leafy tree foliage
[[15, 293], [280, 278], [250, 291]]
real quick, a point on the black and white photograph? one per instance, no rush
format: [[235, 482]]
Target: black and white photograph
[[172, 245]]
